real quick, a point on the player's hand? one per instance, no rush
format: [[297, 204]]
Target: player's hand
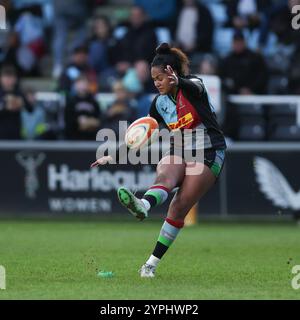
[[102, 161], [171, 75]]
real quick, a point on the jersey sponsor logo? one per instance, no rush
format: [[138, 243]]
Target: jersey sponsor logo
[[184, 108], [182, 122]]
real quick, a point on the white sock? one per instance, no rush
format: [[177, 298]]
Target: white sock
[[153, 261], [147, 204]]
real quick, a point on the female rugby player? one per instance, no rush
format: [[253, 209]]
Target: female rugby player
[[182, 103]]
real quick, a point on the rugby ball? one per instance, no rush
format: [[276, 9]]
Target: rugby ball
[[141, 133]]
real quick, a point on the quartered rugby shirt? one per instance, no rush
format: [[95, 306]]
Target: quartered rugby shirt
[[190, 109]]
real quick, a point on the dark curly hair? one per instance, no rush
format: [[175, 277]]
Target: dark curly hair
[[166, 55]]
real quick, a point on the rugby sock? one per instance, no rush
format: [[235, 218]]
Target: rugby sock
[[168, 234], [153, 261], [155, 196], [146, 203]]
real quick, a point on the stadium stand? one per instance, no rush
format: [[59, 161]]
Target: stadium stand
[[256, 122]]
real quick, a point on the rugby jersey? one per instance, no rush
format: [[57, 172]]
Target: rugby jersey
[[190, 109]]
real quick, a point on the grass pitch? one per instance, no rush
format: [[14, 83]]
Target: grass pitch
[[60, 260]]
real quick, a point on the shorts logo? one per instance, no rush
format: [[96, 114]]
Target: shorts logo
[[182, 122]]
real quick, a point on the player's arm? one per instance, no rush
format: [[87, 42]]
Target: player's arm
[[102, 161], [121, 152], [193, 86], [154, 113]]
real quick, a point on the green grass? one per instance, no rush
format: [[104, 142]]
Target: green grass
[[59, 260]]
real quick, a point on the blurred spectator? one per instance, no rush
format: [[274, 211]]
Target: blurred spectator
[[245, 13], [139, 42], [27, 35], [78, 66], [142, 70], [208, 65], [278, 20], [33, 123], [42, 8], [122, 109], [100, 44], [12, 101], [132, 83], [243, 71], [5, 34], [102, 55], [139, 83], [29, 29], [24, 39], [82, 113], [7, 47], [294, 73], [279, 52], [194, 32], [71, 16], [161, 12]]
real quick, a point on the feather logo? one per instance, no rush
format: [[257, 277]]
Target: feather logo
[[274, 185]]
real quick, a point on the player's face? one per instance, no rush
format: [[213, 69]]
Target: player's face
[[161, 80]]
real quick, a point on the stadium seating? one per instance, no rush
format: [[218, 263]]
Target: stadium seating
[[286, 133], [282, 122], [252, 124]]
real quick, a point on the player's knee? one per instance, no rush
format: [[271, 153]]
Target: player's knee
[[167, 182], [179, 208]]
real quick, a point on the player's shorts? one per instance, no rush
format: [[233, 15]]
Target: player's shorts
[[212, 158]]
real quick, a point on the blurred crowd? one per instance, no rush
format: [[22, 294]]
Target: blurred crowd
[[249, 44]]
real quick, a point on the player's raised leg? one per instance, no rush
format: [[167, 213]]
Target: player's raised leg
[[170, 173], [191, 190]]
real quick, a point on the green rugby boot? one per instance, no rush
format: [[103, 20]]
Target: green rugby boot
[[135, 205]]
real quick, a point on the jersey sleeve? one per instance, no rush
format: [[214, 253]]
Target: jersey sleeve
[[194, 85], [154, 113]]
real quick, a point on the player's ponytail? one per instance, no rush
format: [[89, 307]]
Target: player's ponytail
[[166, 55]]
